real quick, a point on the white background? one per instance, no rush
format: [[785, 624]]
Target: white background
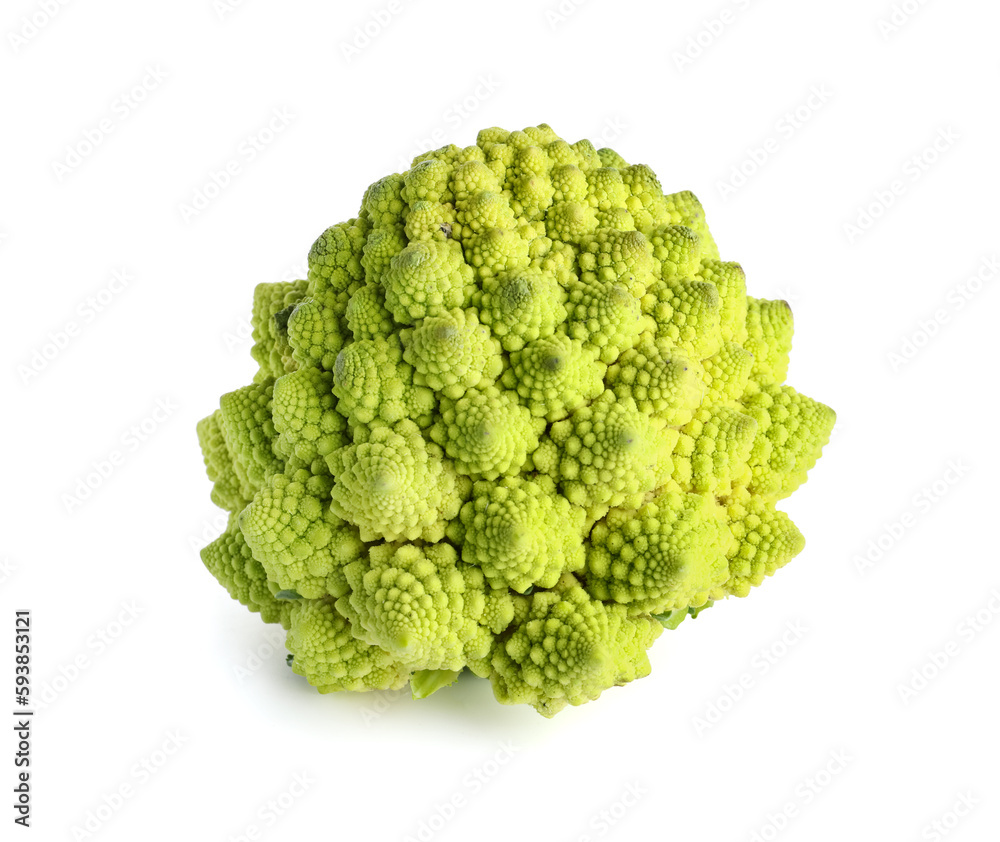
[[821, 106]]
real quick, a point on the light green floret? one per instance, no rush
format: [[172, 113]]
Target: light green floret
[[220, 465], [631, 635], [769, 329], [452, 352], [541, 135], [554, 375], [618, 219], [568, 650], [530, 160], [531, 196], [452, 155], [683, 208], [291, 531], [531, 231], [271, 305], [687, 315], [498, 157], [731, 283], [668, 386], [587, 154], [427, 182], [383, 201], [562, 153], [394, 486], [605, 317], [374, 386], [248, 429], [424, 607], [331, 658], [431, 221], [317, 332], [335, 258], [727, 373], [605, 189], [554, 259], [713, 451], [520, 306], [610, 158], [792, 430], [604, 454], [382, 245], [486, 433], [228, 559], [366, 314], [570, 222], [569, 183], [305, 416], [484, 210], [669, 554], [521, 533], [611, 256], [766, 540], [678, 250], [425, 279], [485, 138], [646, 204], [471, 178], [497, 250]]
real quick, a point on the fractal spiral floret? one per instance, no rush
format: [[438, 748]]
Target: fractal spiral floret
[[519, 418]]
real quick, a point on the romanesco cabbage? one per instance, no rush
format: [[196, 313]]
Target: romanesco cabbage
[[519, 418]]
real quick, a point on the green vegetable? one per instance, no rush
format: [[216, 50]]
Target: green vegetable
[[519, 418]]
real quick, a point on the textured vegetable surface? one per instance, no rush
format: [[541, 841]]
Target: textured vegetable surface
[[519, 419]]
